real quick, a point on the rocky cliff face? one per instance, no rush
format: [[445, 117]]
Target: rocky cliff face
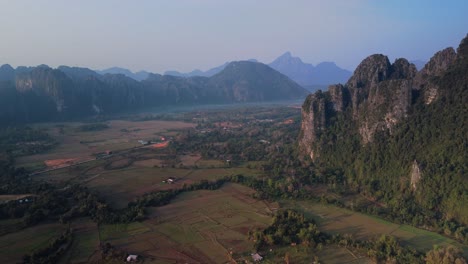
[[396, 134], [377, 97], [314, 117], [438, 65]]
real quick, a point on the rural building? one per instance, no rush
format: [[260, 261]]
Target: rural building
[[132, 258], [256, 257], [144, 142], [169, 180], [26, 199]]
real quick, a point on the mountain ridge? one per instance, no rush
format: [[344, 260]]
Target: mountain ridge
[[305, 74], [44, 94]]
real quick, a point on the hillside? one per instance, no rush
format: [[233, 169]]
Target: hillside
[[42, 93], [398, 137]]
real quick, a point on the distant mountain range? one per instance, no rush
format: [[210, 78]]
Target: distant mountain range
[[197, 72], [139, 76], [419, 64], [41, 93], [305, 74]]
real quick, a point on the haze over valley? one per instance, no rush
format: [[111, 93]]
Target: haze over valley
[[351, 147]]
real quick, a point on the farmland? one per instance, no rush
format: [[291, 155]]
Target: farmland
[[197, 227], [81, 145], [337, 220], [206, 225], [14, 245]]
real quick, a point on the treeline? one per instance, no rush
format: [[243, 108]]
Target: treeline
[[288, 227], [23, 140]]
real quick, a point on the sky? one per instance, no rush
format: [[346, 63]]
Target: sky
[[160, 35]]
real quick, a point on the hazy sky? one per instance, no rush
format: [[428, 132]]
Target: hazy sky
[[187, 34]]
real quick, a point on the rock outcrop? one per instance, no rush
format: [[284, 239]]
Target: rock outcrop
[[376, 98], [395, 135], [415, 175], [314, 116], [438, 64]]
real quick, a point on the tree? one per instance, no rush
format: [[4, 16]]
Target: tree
[[445, 255]]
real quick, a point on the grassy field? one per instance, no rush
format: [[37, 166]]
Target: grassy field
[[85, 245], [303, 254], [197, 227], [80, 145], [335, 220], [13, 246], [119, 186]]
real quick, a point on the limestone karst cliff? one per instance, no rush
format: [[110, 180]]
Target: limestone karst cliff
[[387, 116], [378, 96]]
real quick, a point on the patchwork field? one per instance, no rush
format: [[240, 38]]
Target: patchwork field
[[197, 227], [335, 220], [123, 177], [81, 145]]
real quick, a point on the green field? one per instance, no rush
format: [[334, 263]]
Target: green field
[[200, 226], [13, 246], [302, 254], [85, 244], [120, 186], [81, 145], [196, 227], [336, 220]]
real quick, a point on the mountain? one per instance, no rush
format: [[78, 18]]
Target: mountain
[[197, 72], [306, 74], [397, 136], [7, 73], [42, 93], [139, 76], [246, 81], [419, 64], [78, 72], [242, 81]]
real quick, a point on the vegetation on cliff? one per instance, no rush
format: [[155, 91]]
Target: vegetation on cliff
[[378, 151]]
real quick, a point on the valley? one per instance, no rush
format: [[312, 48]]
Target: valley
[[172, 132], [208, 225]]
